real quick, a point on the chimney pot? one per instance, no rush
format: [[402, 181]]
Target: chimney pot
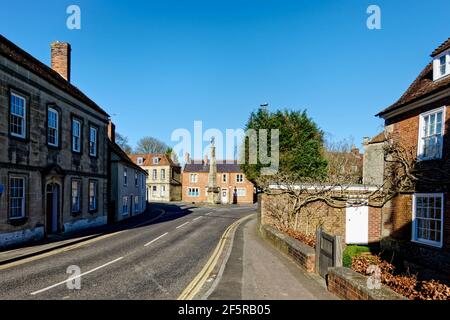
[[61, 58]]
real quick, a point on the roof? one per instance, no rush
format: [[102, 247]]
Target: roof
[[114, 147], [223, 166], [27, 61], [378, 138], [164, 159], [422, 86]]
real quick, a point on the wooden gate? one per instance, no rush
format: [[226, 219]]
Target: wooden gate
[[328, 252]]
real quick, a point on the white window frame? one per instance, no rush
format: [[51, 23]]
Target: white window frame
[[136, 179], [22, 118], [76, 139], [93, 198], [124, 205], [414, 237], [22, 199], [239, 180], [140, 161], [163, 174], [136, 204], [55, 128], [243, 192], [154, 191], [125, 177], [420, 143], [193, 178], [437, 66], [77, 196], [155, 160], [93, 138], [154, 174], [193, 192], [162, 191]]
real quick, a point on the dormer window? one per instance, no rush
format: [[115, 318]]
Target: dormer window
[[140, 161], [155, 160], [441, 66]]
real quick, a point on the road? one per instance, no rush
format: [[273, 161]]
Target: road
[[155, 261]]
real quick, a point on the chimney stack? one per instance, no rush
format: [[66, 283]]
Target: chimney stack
[[111, 131], [187, 158], [61, 58], [205, 159]]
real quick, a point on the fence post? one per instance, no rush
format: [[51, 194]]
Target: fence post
[[337, 251], [318, 242]]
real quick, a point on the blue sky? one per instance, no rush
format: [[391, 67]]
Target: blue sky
[[156, 66]]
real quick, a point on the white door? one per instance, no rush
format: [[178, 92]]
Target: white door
[[357, 225], [224, 196]]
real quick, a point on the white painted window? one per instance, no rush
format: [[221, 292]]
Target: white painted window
[[52, 127], [18, 116], [154, 174], [193, 178], [125, 176], [239, 178], [93, 195], [441, 65], [76, 194], [155, 160], [93, 136], [140, 161], [428, 215], [124, 205], [162, 191], [136, 204], [76, 135], [163, 174], [431, 133], [136, 180], [154, 190], [193, 192], [16, 197], [241, 192]]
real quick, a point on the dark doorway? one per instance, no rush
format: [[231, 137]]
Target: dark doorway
[[53, 208]]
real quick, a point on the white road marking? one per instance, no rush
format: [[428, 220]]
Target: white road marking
[[154, 240], [73, 278], [180, 226], [208, 214], [197, 218]]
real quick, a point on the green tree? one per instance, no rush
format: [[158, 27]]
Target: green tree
[[300, 146]]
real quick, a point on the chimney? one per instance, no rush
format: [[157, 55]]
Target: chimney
[[60, 58], [205, 159], [111, 131], [187, 158]]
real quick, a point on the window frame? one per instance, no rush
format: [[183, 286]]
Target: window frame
[[96, 128], [125, 176], [125, 205], [420, 144], [24, 135], [50, 109], [80, 137], [155, 160], [193, 175], [24, 198], [414, 237], [154, 174], [242, 178], [92, 210], [437, 66], [140, 161], [80, 202], [191, 193]]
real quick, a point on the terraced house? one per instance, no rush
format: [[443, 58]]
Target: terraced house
[[418, 223], [53, 148]]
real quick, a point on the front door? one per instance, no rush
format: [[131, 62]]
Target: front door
[[224, 196], [52, 208], [357, 225]]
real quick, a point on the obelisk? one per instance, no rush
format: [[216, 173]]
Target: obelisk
[[213, 189]]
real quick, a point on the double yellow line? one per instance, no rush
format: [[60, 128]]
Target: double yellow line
[[194, 287]]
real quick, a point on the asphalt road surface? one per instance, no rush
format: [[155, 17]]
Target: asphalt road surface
[[155, 261]]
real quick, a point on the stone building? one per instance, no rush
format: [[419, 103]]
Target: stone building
[[231, 181], [53, 148], [417, 223], [127, 183], [373, 163], [164, 176]]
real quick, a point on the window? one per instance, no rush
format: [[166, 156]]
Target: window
[[76, 192], [136, 180], [155, 160], [93, 136], [52, 127], [163, 191], [136, 204], [193, 178], [224, 178], [431, 132], [241, 192], [76, 135], [16, 197], [163, 174], [154, 174], [124, 205], [125, 176], [441, 66], [428, 212], [154, 190], [140, 161], [239, 178], [18, 116], [93, 195], [193, 192]]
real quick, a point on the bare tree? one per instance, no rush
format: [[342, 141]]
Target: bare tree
[[122, 141], [151, 145]]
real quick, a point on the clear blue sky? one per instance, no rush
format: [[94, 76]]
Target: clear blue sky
[[159, 65]]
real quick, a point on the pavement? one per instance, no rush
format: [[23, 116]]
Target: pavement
[[158, 256]]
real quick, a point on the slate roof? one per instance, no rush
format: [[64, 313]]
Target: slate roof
[[222, 167], [27, 61], [423, 85], [114, 147], [164, 159]]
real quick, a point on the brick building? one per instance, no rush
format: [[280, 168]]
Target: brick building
[[234, 186], [418, 223], [53, 148], [164, 176]]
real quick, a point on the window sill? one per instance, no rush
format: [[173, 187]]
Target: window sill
[[18, 221], [428, 243], [75, 214]]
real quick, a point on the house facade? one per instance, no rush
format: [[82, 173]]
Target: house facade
[[417, 223], [164, 176], [234, 186], [127, 183], [53, 143]]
